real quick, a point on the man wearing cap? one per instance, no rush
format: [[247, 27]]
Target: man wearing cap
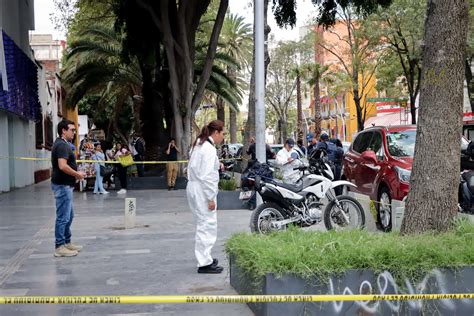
[[285, 160]]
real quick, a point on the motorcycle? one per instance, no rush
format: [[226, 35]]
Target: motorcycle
[[285, 204], [466, 192], [466, 185]]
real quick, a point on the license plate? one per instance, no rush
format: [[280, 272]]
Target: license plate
[[245, 195]]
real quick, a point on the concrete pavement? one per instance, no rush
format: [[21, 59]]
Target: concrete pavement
[[155, 258]]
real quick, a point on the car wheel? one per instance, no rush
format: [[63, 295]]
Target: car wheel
[[384, 210]]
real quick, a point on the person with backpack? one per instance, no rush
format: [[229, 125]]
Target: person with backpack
[[334, 154]]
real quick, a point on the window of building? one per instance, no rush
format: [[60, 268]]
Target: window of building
[[48, 132], [39, 133]]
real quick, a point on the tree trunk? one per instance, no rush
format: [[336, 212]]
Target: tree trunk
[[360, 115], [231, 72], [433, 198], [317, 107], [413, 109], [299, 109], [233, 126], [151, 114], [220, 107], [284, 129]]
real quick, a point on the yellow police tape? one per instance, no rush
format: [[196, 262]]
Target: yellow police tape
[[107, 161], [224, 298]]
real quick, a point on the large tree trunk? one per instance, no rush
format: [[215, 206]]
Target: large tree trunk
[[250, 125], [433, 198], [317, 107], [178, 22], [299, 109]]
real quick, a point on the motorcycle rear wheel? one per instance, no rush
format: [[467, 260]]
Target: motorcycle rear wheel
[[262, 217]]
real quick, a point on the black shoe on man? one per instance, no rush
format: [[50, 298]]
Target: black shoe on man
[[211, 268]]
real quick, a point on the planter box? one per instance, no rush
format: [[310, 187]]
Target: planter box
[[229, 200], [360, 282]]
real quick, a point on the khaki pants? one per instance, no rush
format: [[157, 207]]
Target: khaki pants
[[172, 173]]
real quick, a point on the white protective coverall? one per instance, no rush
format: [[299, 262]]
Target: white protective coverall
[[289, 175], [202, 187]]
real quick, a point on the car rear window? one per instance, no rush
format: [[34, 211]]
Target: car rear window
[[362, 142], [402, 143]]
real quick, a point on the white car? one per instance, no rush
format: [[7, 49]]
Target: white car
[[234, 148]]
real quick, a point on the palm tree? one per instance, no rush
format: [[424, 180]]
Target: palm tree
[[235, 41], [315, 72], [93, 67]]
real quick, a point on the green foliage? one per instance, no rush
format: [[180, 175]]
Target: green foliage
[[285, 10], [228, 185], [280, 91], [320, 254], [95, 76], [390, 77], [401, 27]]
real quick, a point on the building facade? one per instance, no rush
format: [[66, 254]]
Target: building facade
[[30, 96], [19, 103]]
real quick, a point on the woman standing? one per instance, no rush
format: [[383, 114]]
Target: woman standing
[[121, 170], [201, 191], [99, 156]]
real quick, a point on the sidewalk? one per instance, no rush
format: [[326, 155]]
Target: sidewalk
[[156, 258]]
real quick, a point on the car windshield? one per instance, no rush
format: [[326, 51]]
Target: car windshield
[[401, 144]]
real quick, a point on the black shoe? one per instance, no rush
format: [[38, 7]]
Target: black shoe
[[215, 262], [210, 269], [169, 188]]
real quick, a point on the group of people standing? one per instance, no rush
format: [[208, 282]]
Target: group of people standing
[[287, 155], [136, 150], [202, 188]]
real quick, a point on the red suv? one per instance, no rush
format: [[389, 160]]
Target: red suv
[[379, 162]]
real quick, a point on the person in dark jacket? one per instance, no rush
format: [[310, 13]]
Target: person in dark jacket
[[269, 154], [139, 153]]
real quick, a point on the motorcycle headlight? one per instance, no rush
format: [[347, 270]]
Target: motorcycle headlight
[[403, 174]]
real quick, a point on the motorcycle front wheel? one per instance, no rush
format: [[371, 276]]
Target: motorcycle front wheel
[[349, 214], [263, 218]]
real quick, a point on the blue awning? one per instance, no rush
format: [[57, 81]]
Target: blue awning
[[21, 98]]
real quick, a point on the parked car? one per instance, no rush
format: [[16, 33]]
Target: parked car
[[231, 150], [379, 163]]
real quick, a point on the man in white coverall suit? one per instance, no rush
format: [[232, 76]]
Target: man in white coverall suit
[[285, 160], [202, 188]]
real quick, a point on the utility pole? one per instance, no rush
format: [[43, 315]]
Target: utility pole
[[259, 81]]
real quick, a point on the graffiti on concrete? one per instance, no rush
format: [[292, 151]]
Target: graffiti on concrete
[[386, 284]]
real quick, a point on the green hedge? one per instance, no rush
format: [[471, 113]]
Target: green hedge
[[310, 254], [227, 185]]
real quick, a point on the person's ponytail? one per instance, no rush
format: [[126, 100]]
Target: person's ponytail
[[208, 130]]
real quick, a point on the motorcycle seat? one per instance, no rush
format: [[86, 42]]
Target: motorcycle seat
[[292, 187]]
